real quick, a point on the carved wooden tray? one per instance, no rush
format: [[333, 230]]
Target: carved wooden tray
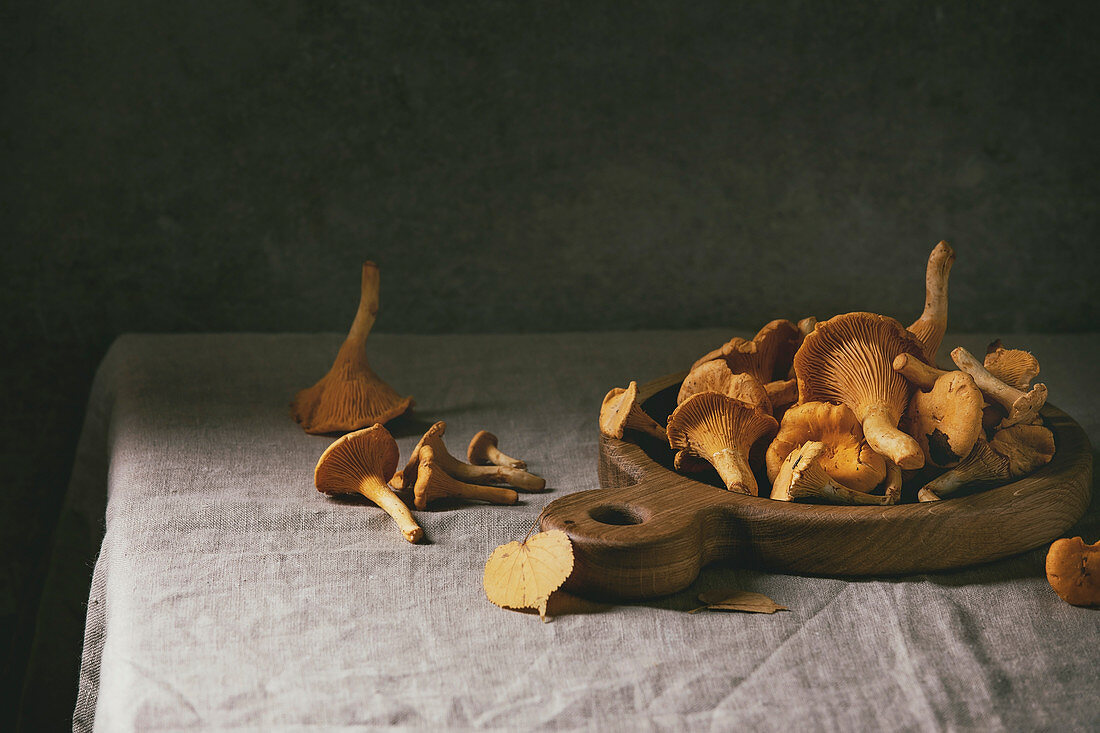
[[650, 530]]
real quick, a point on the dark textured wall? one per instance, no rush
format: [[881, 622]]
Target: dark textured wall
[[226, 166]]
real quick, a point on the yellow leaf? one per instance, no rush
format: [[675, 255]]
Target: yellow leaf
[[738, 600], [524, 574]]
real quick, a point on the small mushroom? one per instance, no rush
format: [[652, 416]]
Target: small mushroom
[[932, 324], [1073, 571], [716, 376], [946, 420], [807, 325], [483, 451], [801, 477], [767, 356], [721, 430], [1021, 406], [433, 482], [351, 395], [433, 438], [363, 462], [848, 360], [846, 455], [1013, 452], [916, 371], [621, 412], [1014, 367]]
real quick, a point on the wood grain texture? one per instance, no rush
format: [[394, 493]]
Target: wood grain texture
[[650, 530]]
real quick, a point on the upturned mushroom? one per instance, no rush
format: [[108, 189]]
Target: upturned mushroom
[[1073, 571], [1013, 452], [716, 376], [351, 396], [767, 356], [433, 438], [1021, 406], [433, 482], [621, 412], [848, 360], [802, 477], [845, 456], [363, 462], [932, 324], [946, 420], [483, 451], [1014, 367], [722, 431]]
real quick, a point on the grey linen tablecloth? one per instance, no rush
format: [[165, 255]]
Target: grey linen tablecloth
[[230, 594]]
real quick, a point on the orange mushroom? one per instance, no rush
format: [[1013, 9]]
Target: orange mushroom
[[1013, 452], [433, 438], [1073, 571], [848, 360], [483, 451], [621, 412], [722, 431], [946, 420], [1021, 406], [363, 462], [767, 356], [801, 477], [1014, 367], [845, 456], [433, 482], [932, 324], [351, 395], [716, 376]]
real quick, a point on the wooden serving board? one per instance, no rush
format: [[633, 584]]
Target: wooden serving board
[[650, 530]]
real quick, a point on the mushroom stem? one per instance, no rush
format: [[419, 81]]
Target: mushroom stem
[[916, 371], [932, 324], [1021, 406], [835, 493], [735, 471], [483, 449], [983, 464], [892, 495], [880, 428], [377, 491], [368, 307], [488, 494]]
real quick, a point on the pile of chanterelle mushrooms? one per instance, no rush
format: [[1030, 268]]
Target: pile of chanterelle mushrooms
[[843, 411], [351, 397]]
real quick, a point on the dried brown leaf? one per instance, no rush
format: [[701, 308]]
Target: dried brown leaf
[[738, 600], [524, 574]]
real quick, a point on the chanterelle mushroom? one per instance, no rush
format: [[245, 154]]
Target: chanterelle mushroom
[[801, 476], [848, 359], [1021, 406], [362, 463], [1014, 367], [620, 412], [916, 371], [932, 324], [845, 455], [1012, 453], [721, 430], [947, 420], [715, 376], [475, 474], [433, 482], [351, 395], [1073, 571], [483, 451], [767, 356]]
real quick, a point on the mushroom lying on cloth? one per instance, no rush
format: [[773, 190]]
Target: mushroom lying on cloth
[[1073, 571], [433, 438], [363, 463], [848, 360], [483, 451], [845, 455], [722, 431], [1013, 452], [801, 477], [351, 395], [434, 482]]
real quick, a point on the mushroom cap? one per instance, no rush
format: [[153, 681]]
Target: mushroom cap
[[767, 356], [799, 467], [849, 360], [620, 410], [947, 420], [708, 423], [1025, 447], [1073, 571], [406, 477], [845, 454], [715, 376], [1014, 367], [370, 452]]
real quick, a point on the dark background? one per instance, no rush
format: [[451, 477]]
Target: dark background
[[226, 166]]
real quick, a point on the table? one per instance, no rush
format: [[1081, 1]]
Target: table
[[229, 593]]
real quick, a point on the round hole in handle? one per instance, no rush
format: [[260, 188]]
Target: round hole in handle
[[618, 514]]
